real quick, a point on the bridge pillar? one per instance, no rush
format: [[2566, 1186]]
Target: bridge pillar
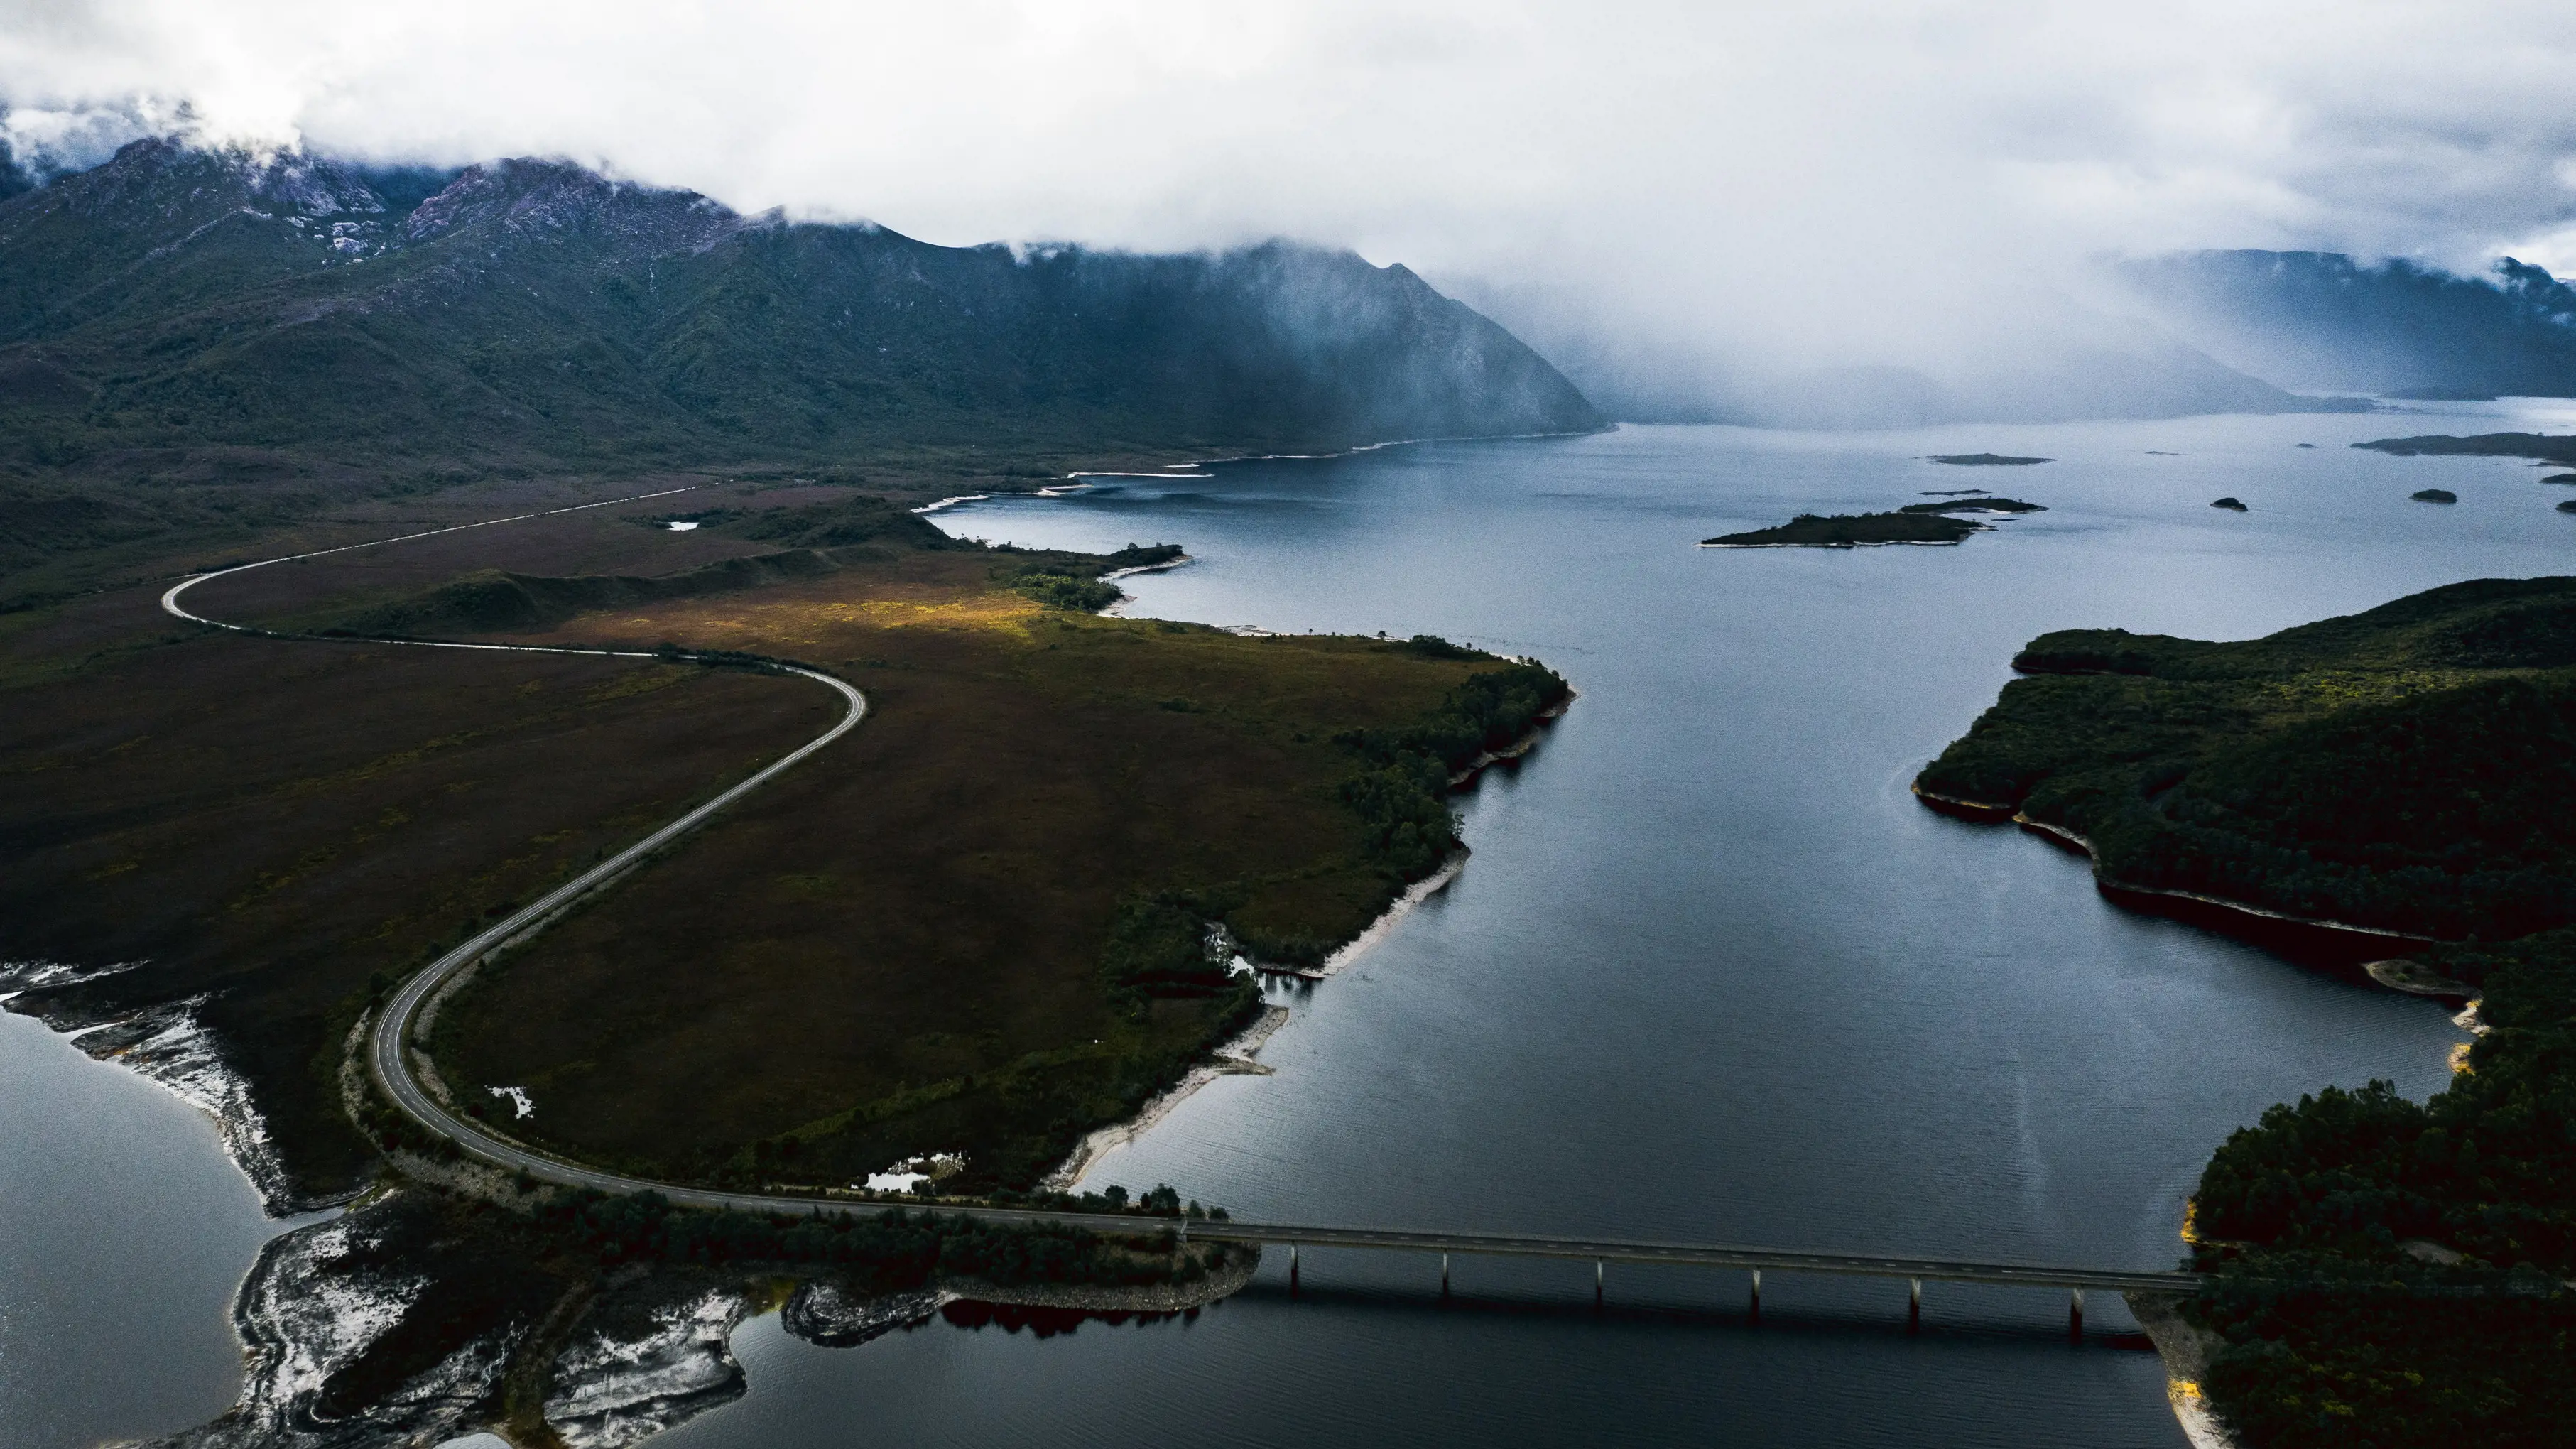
[[1914, 1305], [1596, 1283], [1292, 1270], [1757, 1295], [1444, 1275], [2075, 1315]]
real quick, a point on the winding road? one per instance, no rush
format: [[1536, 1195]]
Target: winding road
[[391, 1056]]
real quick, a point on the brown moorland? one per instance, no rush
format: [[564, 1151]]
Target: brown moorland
[[901, 950], [276, 826]]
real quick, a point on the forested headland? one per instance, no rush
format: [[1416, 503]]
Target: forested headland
[[2385, 1272]]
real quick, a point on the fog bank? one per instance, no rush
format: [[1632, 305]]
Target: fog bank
[[1714, 199]]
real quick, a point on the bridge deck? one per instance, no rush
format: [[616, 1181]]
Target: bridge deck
[[1867, 1265]]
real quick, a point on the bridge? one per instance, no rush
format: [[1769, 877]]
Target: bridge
[[1603, 1251]]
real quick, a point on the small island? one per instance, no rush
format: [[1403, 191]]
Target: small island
[[2434, 495], [1987, 460], [2231, 503], [1851, 530], [1928, 523], [2482, 445], [1980, 503]]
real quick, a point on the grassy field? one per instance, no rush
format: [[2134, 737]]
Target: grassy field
[[275, 826]]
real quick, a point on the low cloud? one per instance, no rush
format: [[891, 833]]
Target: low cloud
[[1832, 184]]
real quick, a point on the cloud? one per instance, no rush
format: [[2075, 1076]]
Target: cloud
[[1841, 181]]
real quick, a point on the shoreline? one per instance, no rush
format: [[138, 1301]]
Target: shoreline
[[1358, 448], [1234, 1057], [1518, 747], [167, 1045], [2313, 932], [2185, 1351]]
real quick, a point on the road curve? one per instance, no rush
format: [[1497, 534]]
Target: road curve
[[390, 1054]]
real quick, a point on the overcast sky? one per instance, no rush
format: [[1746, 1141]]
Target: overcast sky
[[1798, 173]]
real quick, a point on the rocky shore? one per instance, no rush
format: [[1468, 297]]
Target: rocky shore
[[170, 1045]]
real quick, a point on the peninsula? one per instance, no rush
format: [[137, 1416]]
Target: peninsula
[[1012, 907], [2397, 788]]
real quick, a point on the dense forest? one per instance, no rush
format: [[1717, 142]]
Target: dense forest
[[2384, 1272]]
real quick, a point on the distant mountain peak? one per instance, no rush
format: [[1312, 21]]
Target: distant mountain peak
[[535, 198]]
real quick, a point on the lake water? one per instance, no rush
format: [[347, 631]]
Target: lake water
[[1712, 973], [124, 1230]]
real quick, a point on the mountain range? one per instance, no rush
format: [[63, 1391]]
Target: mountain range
[[2395, 328], [536, 313]]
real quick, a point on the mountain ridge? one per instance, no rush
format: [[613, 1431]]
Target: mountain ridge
[[536, 311], [2395, 328]]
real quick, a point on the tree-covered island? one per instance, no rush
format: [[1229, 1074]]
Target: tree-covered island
[[1933, 523]]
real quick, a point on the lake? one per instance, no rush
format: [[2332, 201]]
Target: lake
[[1711, 973]]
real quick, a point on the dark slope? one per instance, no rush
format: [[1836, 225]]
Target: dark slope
[[536, 312], [2320, 319]]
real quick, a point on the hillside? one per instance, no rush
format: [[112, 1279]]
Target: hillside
[[2323, 320], [190, 316]]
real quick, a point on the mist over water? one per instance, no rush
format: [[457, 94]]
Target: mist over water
[[1712, 974]]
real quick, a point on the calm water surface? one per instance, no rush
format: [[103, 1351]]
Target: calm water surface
[[124, 1230], [1711, 974]]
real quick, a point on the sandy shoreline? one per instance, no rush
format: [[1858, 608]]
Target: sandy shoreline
[[1233, 1059], [2185, 1351]]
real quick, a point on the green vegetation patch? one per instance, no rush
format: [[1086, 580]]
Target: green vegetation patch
[[1074, 581], [2397, 1271]]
